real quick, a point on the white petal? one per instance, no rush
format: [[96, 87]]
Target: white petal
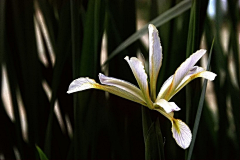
[[155, 57], [170, 86], [121, 84], [208, 75], [141, 77], [196, 72], [181, 133], [165, 88], [193, 73], [81, 84], [184, 68], [167, 106]]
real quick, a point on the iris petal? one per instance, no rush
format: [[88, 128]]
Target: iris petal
[[167, 106], [81, 84], [195, 72], [184, 68], [181, 133], [124, 85], [155, 58], [167, 91], [141, 77], [180, 73]]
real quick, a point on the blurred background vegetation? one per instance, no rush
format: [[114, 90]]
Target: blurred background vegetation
[[45, 44]]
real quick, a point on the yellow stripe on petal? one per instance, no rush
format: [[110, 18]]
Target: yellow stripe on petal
[[81, 84], [167, 92], [200, 73], [184, 68], [181, 133], [141, 77], [182, 71], [110, 81], [155, 58], [164, 89]]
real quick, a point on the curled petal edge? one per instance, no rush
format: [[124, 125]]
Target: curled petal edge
[[167, 106]]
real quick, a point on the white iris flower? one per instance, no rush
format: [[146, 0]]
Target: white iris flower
[[145, 94]]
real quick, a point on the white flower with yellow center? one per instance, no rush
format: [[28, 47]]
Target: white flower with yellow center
[[146, 95]]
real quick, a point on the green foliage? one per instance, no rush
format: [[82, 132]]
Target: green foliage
[[91, 124], [41, 154]]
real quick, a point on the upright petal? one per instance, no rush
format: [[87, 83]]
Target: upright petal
[[181, 133], [141, 77], [81, 84], [155, 58]]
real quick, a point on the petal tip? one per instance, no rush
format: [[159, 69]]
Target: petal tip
[[126, 58], [81, 84], [181, 133]]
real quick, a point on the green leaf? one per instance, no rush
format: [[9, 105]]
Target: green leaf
[[152, 136], [41, 153], [160, 20], [199, 110]]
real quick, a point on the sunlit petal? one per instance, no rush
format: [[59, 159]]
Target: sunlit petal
[[141, 77], [181, 133], [81, 84], [164, 89], [186, 66], [195, 72], [169, 87], [167, 106], [155, 58], [124, 85]]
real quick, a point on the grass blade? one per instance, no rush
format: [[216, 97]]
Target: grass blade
[[161, 19], [199, 111], [41, 154]]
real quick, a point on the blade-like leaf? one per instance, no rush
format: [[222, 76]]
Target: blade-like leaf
[[199, 110], [41, 154], [161, 19]]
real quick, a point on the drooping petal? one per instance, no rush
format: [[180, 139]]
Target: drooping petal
[[81, 84], [167, 106], [141, 77], [155, 58], [181, 133], [124, 85]]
